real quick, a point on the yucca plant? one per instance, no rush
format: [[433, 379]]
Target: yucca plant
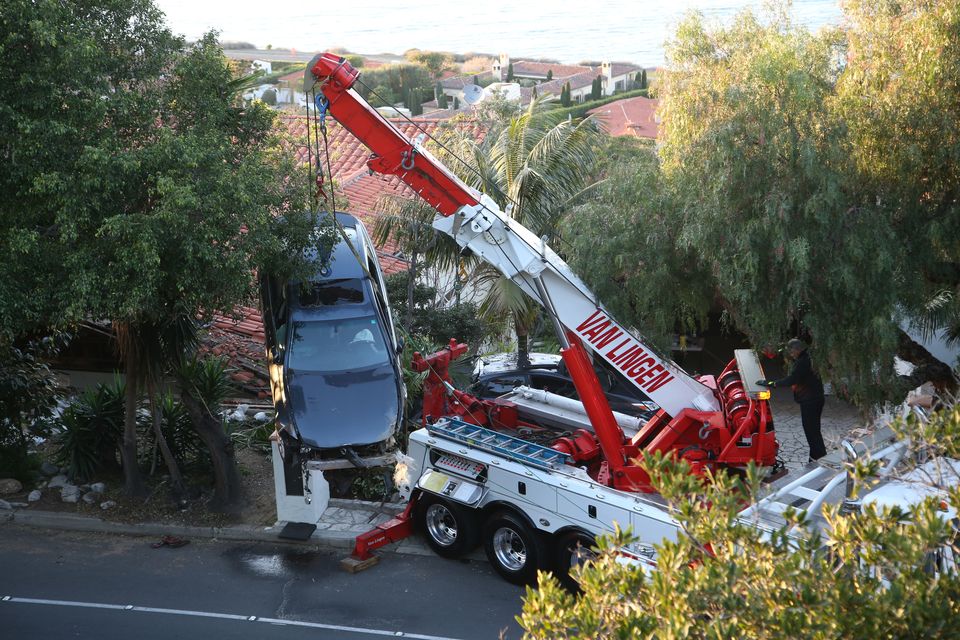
[[206, 380], [185, 446], [92, 431]]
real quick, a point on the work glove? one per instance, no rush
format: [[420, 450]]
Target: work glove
[[767, 383]]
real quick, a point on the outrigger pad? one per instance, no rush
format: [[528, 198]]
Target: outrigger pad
[[297, 531], [351, 564]]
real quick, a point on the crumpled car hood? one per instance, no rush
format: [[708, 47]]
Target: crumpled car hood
[[333, 410]]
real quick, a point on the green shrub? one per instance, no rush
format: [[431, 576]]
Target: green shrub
[[29, 393], [579, 110]]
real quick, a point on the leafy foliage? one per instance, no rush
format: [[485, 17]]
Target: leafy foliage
[[868, 575], [434, 321], [28, 396], [435, 62], [633, 209], [141, 190], [399, 78]]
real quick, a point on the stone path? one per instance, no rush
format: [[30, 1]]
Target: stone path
[[840, 420]]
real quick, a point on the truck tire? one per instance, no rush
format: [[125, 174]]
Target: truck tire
[[515, 549], [450, 528], [570, 550]]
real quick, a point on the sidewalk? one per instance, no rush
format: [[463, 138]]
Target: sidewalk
[[341, 523]]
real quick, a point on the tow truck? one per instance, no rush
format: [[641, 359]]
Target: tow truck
[[535, 481]]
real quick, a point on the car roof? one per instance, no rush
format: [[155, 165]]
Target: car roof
[[343, 263], [500, 362]]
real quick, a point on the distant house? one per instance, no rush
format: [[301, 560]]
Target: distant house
[[616, 77], [629, 117], [262, 65]]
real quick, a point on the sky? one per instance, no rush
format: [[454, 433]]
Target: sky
[[568, 31]]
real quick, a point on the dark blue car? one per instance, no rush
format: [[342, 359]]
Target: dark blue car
[[333, 353]]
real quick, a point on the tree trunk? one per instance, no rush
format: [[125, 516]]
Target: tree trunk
[[411, 287], [523, 344], [928, 368], [177, 487], [133, 481], [210, 429]]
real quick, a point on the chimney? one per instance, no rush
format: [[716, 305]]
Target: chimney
[[500, 67], [606, 70]]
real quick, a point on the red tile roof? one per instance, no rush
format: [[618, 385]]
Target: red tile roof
[[623, 68], [539, 69], [293, 77], [629, 117]]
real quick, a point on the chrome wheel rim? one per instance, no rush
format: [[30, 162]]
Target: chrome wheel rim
[[441, 525], [580, 554], [509, 548]]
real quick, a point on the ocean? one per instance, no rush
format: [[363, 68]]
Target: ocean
[[617, 30]]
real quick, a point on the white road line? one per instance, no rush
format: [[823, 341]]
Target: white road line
[[225, 616]]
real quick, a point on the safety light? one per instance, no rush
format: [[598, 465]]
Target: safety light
[[763, 395]]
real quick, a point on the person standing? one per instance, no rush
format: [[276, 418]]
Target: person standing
[[807, 392]]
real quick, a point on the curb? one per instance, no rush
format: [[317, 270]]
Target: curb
[[237, 533]]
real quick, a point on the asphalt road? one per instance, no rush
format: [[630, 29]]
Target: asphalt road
[[64, 584]]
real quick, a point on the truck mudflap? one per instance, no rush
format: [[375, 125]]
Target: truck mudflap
[[451, 487]]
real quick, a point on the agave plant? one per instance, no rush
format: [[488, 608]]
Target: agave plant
[[92, 431]]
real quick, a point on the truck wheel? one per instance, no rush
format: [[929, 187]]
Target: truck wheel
[[513, 548], [571, 550], [450, 528]]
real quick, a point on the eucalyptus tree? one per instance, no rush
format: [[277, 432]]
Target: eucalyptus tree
[[801, 181]]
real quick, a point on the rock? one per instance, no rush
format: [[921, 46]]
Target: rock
[[84, 488], [261, 416], [5, 506], [58, 481], [239, 414], [90, 498], [34, 495], [10, 485], [98, 487], [49, 469], [109, 504], [70, 493]]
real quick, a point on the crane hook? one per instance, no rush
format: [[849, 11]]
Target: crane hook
[[408, 158]]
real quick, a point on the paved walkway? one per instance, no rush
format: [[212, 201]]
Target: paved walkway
[[840, 420]]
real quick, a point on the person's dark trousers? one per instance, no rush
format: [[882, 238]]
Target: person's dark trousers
[[810, 416]]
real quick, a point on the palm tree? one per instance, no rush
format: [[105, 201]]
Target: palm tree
[[407, 221], [536, 165]]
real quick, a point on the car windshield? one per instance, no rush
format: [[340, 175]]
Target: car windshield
[[337, 345]]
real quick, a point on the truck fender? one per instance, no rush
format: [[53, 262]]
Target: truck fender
[[502, 506]]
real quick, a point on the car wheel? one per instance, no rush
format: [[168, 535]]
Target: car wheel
[[450, 528], [570, 551], [513, 548]]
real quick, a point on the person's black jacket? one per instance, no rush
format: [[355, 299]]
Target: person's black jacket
[[807, 386]]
